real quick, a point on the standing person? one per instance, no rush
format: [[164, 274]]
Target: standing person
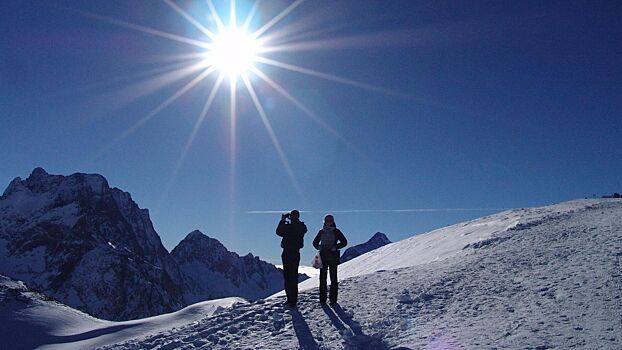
[[293, 239], [328, 241]]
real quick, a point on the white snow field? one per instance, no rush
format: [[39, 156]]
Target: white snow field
[[535, 278]]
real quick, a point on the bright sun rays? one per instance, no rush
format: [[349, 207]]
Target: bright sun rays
[[232, 55]]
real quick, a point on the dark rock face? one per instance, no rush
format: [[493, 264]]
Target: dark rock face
[[86, 244], [211, 271], [376, 241]]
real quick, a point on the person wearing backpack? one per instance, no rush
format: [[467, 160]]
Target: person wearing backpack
[[293, 240], [328, 241]]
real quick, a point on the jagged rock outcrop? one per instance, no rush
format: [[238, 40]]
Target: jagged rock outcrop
[[211, 271], [378, 240]]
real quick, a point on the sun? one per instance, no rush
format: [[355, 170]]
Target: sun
[[233, 51], [241, 53]]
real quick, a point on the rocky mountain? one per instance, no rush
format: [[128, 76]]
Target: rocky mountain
[[91, 247], [211, 271], [88, 245], [378, 240]]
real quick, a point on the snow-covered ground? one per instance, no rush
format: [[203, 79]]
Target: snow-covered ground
[[535, 278], [30, 321]]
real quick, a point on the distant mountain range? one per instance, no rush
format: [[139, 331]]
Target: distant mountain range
[[91, 247], [378, 240]]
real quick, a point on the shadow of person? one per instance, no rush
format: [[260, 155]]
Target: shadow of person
[[351, 330], [303, 333]]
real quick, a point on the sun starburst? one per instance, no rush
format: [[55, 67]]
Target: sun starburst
[[233, 51]]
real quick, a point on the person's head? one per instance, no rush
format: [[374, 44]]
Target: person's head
[[295, 214], [329, 220]]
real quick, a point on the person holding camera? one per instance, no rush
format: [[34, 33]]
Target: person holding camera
[[293, 240], [328, 241]]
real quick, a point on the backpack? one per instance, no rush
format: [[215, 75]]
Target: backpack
[[328, 239]]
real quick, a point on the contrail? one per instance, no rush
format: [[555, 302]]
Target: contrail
[[412, 210]]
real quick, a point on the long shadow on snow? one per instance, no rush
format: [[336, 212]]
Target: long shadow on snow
[[305, 338], [356, 336]]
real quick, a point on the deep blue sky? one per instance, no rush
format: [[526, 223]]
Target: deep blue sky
[[506, 104]]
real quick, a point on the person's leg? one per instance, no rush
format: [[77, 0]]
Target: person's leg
[[294, 277], [323, 283], [286, 267], [334, 285]]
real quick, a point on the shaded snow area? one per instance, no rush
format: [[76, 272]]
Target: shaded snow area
[[30, 320], [539, 278]]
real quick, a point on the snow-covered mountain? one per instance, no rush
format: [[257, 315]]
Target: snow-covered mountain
[[91, 247], [210, 271], [378, 240], [88, 245], [537, 278]]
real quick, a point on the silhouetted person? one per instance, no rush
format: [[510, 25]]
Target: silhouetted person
[[328, 241], [293, 233]]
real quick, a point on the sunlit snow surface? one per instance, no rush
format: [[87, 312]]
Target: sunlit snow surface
[[536, 278]]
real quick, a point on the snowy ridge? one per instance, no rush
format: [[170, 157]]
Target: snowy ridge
[[445, 242], [538, 278], [432, 246]]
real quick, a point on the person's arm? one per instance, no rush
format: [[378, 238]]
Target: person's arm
[[316, 241], [342, 241], [304, 228], [281, 230]]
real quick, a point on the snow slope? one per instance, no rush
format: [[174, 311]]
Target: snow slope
[[30, 320], [442, 243], [537, 278]]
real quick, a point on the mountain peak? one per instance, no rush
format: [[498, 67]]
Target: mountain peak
[[210, 270], [379, 237], [195, 235], [38, 172], [378, 240], [200, 240], [196, 243]]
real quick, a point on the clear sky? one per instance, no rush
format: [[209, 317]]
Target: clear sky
[[422, 105]]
